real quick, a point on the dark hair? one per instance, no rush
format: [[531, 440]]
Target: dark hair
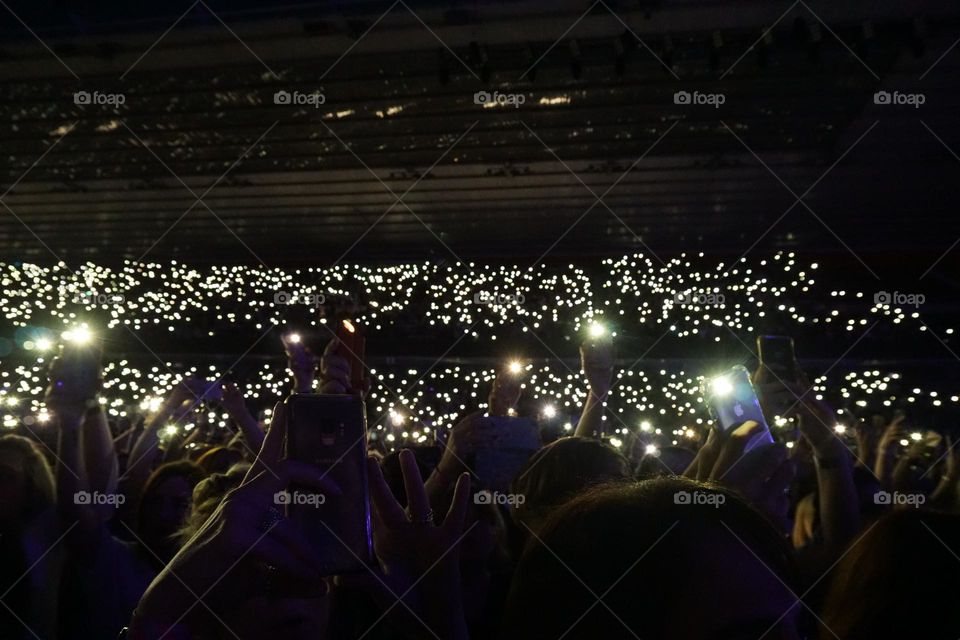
[[218, 459], [585, 547], [38, 478], [559, 471], [189, 471], [899, 580]]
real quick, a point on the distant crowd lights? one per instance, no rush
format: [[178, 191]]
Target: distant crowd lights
[[632, 291]]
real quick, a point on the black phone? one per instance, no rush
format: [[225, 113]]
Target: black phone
[[330, 433], [80, 363], [777, 354]]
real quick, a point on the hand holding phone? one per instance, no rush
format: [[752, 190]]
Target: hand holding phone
[[596, 359], [506, 389], [328, 432], [74, 379], [733, 401]]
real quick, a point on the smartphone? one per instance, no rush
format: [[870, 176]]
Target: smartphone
[[503, 445], [329, 432], [352, 346], [80, 364], [777, 355], [733, 400]]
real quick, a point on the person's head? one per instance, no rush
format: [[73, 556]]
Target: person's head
[[662, 558], [26, 481], [899, 580], [165, 503], [559, 471], [207, 496]]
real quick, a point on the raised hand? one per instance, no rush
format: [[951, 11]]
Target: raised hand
[[596, 360], [74, 379], [335, 372], [246, 541], [233, 401], [888, 448], [505, 393], [761, 475], [419, 576], [302, 363]]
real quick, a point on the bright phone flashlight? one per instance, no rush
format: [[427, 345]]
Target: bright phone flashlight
[[293, 338], [549, 411], [78, 335], [597, 330], [722, 386], [43, 344], [514, 367]]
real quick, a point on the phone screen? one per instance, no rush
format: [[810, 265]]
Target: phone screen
[[329, 432]]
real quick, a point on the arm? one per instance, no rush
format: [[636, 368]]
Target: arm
[[140, 461], [596, 358], [887, 451], [72, 482], [99, 457], [460, 445], [590, 424], [247, 525], [302, 364], [71, 398], [945, 496], [233, 403], [838, 503]]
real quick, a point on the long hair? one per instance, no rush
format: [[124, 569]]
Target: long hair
[[40, 492], [637, 544], [190, 471], [899, 580]]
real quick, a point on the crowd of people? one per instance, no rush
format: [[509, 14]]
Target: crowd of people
[[116, 528]]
